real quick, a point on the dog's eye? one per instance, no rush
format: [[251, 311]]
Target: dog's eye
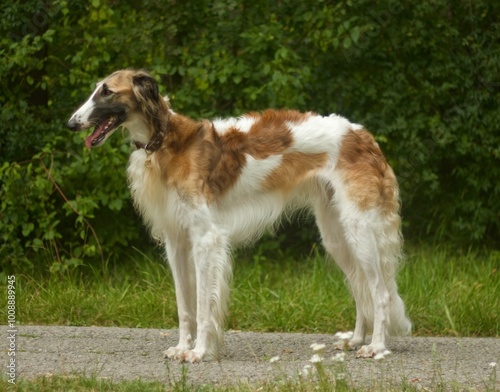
[[106, 91]]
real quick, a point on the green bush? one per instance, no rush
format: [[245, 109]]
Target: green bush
[[66, 206], [427, 81], [423, 77]]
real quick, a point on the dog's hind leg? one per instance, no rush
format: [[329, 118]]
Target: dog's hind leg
[[183, 272], [334, 242], [374, 243], [376, 305]]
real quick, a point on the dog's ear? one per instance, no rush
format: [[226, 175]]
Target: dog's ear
[[146, 90], [150, 102]]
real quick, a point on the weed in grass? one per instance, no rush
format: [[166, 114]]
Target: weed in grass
[[491, 383], [437, 375], [182, 385], [325, 375]]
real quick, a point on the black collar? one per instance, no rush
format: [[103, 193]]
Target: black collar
[[151, 146]]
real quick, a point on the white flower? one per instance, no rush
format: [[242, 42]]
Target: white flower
[[340, 376], [316, 359], [307, 370], [492, 364], [344, 335], [318, 348], [274, 359], [382, 355], [339, 357]]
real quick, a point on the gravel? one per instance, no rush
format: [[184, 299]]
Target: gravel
[[126, 353]]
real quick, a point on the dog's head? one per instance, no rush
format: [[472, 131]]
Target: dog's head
[[123, 98]]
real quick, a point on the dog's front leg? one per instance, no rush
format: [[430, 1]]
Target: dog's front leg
[[213, 275], [183, 272]]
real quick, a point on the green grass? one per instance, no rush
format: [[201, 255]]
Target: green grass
[[323, 378], [80, 383], [452, 293], [447, 293]]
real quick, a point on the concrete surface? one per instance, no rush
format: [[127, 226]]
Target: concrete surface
[[125, 353]]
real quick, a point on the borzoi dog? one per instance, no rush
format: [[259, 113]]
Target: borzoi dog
[[204, 186]]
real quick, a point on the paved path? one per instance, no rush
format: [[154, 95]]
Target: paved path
[[125, 353]]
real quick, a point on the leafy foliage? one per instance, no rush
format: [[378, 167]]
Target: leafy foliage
[[423, 77]]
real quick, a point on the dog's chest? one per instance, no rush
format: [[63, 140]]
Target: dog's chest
[[159, 205]]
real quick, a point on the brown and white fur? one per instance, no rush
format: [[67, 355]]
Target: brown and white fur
[[205, 186]]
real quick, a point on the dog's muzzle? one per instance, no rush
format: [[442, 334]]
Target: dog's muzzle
[[73, 125]]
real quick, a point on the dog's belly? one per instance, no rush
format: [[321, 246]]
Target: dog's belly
[[246, 220]]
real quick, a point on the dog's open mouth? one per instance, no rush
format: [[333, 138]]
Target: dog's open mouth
[[101, 131]]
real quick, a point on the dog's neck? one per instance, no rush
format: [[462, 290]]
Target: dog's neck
[[175, 130], [152, 145], [149, 135]]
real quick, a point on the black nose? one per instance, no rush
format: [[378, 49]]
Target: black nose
[[72, 125]]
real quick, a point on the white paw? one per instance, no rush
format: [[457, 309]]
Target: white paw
[[370, 351], [192, 356], [175, 352], [347, 345], [187, 355]]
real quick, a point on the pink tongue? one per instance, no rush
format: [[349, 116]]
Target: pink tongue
[[93, 136]]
